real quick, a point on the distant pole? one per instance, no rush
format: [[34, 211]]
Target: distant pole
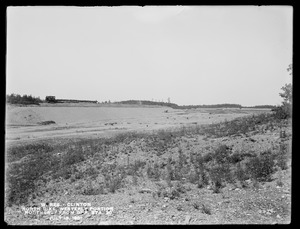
[[169, 101]]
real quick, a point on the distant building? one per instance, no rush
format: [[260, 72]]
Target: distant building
[[50, 99]]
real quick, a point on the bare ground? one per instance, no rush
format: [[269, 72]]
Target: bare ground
[[138, 202]]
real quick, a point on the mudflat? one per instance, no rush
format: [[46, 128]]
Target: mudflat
[[28, 123]]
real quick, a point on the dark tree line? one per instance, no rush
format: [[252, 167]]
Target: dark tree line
[[25, 99], [262, 106], [175, 106]]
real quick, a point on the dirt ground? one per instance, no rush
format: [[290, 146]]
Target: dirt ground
[[72, 121], [137, 203]]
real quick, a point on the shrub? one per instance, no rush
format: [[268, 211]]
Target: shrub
[[157, 172], [261, 167], [174, 194], [282, 112], [203, 181], [113, 183], [222, 154], [236, 157], [282, 158], [180, 188], [216, 176], [194, 177], [92, 172], [208, 157]]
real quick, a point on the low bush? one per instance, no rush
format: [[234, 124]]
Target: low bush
[[261, 167], [282, 112]]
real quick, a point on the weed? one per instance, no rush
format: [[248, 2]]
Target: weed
[[179, 207], [113, 183], [92, 172], [222, 154], [282, 158], [261, 167], [216, 176], [154, 172], [206, 209], [92, 189], [240, 173], [73, 156], [174, 194], [196, 205], [194, 177], [279, 179]]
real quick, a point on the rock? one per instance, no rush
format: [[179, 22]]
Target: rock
[[88, 216], [164, 207], [187, 219], [145, 190], [103, 223], [248, 181], [179, 208], [77, 218]]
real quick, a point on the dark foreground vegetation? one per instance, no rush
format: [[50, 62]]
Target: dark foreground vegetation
[[32, 167]]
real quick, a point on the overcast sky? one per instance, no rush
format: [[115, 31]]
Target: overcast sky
[[192, 54]]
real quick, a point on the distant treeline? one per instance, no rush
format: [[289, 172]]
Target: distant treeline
[[224, 105], [175, 106], [146, 102], [262, 106], [25, 99]]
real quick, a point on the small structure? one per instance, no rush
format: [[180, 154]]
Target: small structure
[[50, 99]]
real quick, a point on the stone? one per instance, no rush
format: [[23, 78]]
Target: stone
[[187, 219], [145, 190]]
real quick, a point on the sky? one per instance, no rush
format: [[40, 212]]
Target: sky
[[193, 55]]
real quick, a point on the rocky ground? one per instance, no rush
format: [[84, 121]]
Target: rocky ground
[[139, 200]]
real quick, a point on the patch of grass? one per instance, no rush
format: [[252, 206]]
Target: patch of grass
[[215, 166], [73, 156], [21, 177], [15, 153]]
